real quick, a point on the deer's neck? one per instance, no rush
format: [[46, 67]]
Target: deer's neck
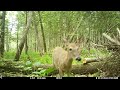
[[69, 58]]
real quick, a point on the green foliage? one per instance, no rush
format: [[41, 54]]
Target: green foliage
[[9, 55], [27, 68], [32, 55], [46, 59], [28, 63], [36, 59], [94, 53], [44, 72]]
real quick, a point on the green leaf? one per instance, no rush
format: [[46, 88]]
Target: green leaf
[[28, 63], [27, 68], [38, 73]]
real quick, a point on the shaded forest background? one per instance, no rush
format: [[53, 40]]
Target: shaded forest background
[[32, 36]]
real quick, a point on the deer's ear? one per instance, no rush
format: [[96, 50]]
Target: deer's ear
[[65, 43]]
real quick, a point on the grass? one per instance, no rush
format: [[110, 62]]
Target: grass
[[47, 58], [9, 55]]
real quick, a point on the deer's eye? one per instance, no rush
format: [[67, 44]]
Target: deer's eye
[[70, 49]]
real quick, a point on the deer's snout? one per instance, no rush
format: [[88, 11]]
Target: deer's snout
[[78, 59]]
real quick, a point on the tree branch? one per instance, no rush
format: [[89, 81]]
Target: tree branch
[[111, 39]]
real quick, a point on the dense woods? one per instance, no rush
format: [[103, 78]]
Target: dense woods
[[27, 40]]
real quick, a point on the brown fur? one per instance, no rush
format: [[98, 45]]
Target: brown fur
[[62, 59]]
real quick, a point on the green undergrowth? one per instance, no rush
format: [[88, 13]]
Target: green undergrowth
[[33, 59]]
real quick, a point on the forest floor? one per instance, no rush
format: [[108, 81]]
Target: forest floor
[[19, 69], [25, 67]]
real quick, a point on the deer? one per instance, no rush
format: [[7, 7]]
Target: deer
[[63, 58]]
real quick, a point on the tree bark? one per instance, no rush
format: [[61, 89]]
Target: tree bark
[[42, 30], [7, 40], [17, 35], [21, 45], [37, 35], [2, 36], [26, 44]]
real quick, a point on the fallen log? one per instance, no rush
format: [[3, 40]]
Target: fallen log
[[84, 69], [88, 68]]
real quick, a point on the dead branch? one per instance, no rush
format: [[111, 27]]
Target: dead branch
[[89, 60], [118, 31], [111, 39], [97, 45]]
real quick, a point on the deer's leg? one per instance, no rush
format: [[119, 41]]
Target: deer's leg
[[61, 73], [68, 73], [54, 65]]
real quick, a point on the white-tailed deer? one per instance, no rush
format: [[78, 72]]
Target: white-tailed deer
[[62, 59]]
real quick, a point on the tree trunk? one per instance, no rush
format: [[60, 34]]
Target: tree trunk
[[7, 40], [26, 45], [17, 34], [37, 35], [89, 39], [42, 30], [21, 45], [2, 34]]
